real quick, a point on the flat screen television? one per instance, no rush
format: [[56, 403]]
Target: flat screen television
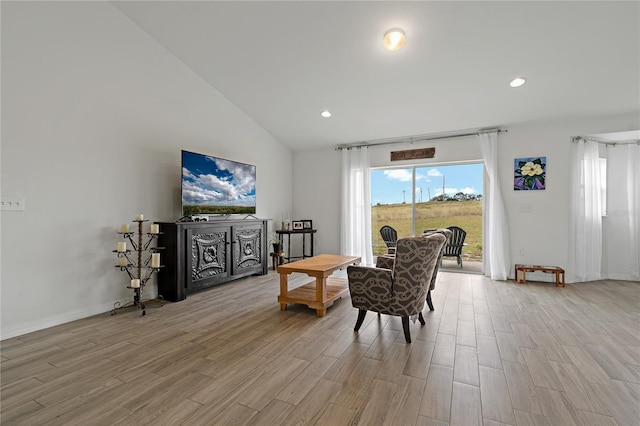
[[212, 185]]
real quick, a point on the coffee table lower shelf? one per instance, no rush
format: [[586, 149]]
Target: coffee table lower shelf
[[306, 295]]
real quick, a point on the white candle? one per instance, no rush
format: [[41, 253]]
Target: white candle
[[124, 228], [139, 217], [155, 260], [155, 228], [122, 261], [122, 247], [135, 283]]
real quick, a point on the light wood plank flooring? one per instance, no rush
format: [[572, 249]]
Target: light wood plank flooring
[[491, 353]]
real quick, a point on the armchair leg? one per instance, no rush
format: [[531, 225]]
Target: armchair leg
[[361, 314], [429, 302], [421, 318], [405, 328]]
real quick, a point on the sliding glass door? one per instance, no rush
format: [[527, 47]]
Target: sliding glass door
[[413, 199]]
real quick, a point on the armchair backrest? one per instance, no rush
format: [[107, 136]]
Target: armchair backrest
[[415, 262], [389, 235], [447, 233], [456, 241]]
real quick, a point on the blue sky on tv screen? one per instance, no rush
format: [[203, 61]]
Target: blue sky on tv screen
[[392, 186], [214, 181]]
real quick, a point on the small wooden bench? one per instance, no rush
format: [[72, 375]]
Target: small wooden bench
[[532, 268]]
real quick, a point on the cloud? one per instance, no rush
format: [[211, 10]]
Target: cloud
[[243, 176], [431, 173], [186, 173], [449, 191], [403, 175], [233, 189], [453, 191]]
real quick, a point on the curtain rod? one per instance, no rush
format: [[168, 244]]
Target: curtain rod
[[421, 138], [604, 141]]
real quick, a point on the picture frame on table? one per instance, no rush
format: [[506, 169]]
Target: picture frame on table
[[297, 225], [307, 224]]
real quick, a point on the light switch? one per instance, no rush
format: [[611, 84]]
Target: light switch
[[12, 204], [526, 208]]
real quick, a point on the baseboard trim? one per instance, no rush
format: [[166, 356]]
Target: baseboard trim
[[37, 325]]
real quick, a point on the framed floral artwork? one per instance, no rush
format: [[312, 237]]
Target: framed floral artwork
[[529, 174]]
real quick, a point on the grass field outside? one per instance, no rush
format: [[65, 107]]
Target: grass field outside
[[432, 214]]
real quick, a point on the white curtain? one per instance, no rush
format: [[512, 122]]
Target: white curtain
[[497, 263], [355, 238], [633, 200], [585, 250]]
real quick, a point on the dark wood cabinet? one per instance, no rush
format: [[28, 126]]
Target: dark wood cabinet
[[198, 255]]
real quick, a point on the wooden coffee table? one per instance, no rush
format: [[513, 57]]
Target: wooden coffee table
[[324, 290]]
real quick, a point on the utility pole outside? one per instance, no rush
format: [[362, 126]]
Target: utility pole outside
[[443, 188]]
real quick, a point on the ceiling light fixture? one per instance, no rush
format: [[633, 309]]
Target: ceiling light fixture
[[325, 114], [517, 82], [394, 39]]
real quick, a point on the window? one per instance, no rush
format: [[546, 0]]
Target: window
[[412, 199]]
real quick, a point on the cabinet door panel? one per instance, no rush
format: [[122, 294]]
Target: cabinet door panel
[[208, 256], [248, 248]]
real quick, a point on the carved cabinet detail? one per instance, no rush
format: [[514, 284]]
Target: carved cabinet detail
[[208, 254], [203, 254]]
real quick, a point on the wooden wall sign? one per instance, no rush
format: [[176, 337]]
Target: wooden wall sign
[[413, 154]]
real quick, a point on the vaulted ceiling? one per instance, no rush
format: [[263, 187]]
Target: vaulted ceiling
[[282, 63]]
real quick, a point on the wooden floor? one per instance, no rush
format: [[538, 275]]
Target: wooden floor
[[491, 353]]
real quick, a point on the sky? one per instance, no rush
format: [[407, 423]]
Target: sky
[[387, 185], [208, 180]]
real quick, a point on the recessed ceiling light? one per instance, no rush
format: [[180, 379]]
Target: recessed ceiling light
[[394, 39], [325, 114], [517, 82]]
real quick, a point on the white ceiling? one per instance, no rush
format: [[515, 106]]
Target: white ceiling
[[282, 63]]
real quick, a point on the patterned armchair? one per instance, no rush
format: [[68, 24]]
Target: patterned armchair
[[386, 261], [401, 290], [447, 233]]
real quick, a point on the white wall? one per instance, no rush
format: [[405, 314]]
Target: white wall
[[316, 195], [94, 115], [541, 234]]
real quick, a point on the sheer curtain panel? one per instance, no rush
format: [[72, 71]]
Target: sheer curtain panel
[[355, 238], [585, 248], [497, 251], [633, 199]]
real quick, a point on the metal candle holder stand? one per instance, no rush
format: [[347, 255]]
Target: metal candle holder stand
[[138, 265]]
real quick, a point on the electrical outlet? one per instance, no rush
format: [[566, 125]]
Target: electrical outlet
[[521, 252], [526, 208], [12, 205]]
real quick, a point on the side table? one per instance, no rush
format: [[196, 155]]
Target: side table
[[279, 256], [303, 232]]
